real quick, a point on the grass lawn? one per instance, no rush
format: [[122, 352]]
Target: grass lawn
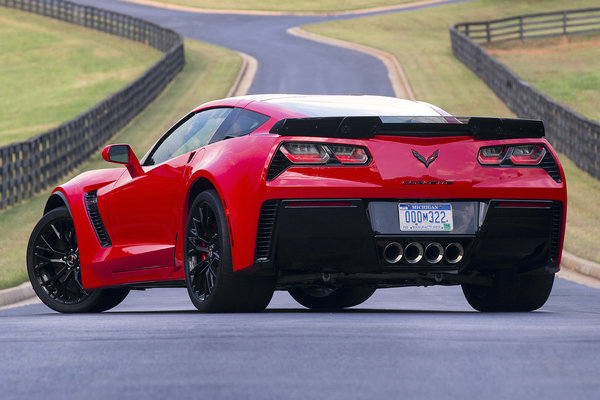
[[565, 68], [51, 71], [287, 6], [208, 74], [420, 41]]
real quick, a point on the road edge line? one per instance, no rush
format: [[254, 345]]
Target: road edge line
[[400, 84]]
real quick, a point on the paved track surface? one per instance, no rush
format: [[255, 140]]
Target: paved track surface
[[286, 64], [402, 343]]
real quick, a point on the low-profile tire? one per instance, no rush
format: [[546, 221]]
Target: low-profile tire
[[327, 299], [510, 293], [212, 285], [54, 270], [110, 298]]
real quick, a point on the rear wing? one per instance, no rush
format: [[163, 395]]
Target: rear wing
[[367, 127]]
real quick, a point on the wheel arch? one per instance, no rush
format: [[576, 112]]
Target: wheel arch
[[56, 200], [199, 185]]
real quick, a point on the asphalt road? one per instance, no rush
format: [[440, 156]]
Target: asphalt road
[[286, 64], [402, 343]]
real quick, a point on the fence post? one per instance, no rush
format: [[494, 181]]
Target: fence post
[[564, 23], [487, 32], [521, 28]]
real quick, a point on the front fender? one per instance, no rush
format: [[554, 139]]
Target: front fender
[[71, 194]]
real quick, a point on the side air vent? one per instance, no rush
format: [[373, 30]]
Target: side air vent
[[264, 233], [279, 163], [91, 205], [550, 166], [557, 216]]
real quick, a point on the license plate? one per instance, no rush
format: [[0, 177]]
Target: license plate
[[426, 217]]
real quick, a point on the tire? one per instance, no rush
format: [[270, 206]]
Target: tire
[[212, 285], [510, 292], [331, 300], [54, 270]]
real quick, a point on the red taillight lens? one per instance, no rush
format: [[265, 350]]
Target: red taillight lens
[[492, 155], [349, 154], [305, 153], [521, 154], [324, 153], [527, 154]]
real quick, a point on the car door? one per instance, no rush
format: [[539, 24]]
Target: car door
[[145, 211]]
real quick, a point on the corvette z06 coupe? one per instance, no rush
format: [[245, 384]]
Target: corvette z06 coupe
[[327, 197]]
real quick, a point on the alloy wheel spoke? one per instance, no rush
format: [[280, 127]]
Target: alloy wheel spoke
[[42, 264], [203, 263], [51, 248], [66, 276], [55, 231]]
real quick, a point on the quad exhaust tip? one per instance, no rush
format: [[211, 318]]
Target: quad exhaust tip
[[454, 253], [413, 252], [392, 253], [434, 252]]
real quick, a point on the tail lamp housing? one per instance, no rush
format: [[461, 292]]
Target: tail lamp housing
[[324, 153], [515, 155], [290, 154]]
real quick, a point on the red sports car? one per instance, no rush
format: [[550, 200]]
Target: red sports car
[[327, 197]]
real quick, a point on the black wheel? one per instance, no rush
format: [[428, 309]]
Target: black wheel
[[510, 292], [211, 283], [326, 298], [54, 270]]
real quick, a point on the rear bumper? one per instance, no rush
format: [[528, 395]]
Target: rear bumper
[[350, 236]]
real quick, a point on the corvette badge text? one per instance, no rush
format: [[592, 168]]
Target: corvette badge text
[[427, 182]]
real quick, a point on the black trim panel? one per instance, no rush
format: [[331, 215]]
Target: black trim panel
[[368, 127], [91, 205]]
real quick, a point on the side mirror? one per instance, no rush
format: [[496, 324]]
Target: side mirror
[[122, 154], [117, 153]]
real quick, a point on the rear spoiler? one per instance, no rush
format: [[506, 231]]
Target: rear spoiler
[[368, 127]]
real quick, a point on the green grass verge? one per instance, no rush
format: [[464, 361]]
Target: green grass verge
[[420, 41], [567, 69], [208, 74], [51, 71], [287, 6], [583, 213]]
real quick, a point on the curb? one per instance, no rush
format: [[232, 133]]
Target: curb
[[16, 294], [580, 265], [245, 77], [396, 74]]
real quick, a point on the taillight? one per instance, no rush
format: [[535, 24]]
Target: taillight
[[305, 153], [349, 154], [527, 154], [492, 155], [323, 153], [522, 154]]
